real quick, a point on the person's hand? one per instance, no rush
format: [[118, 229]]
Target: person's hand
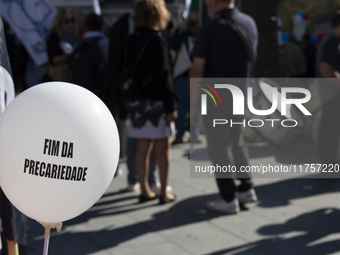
[[66, 47], [172, 116]]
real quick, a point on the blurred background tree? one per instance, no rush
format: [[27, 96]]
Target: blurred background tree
[[264, 13]]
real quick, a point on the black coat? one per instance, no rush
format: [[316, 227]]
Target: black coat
[[154, 63]]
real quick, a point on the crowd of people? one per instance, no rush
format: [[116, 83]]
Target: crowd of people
[[297, 59], [82, 52], [143, 74]]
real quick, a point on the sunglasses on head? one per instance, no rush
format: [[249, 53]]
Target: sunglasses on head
[[67, 21]]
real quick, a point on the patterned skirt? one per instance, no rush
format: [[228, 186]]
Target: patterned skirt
[[148, 120]]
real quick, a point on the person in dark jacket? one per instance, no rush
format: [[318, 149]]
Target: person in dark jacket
[[151, 114], [60, 44], [116, 103]]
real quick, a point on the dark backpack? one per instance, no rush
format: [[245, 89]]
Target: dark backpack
[[86, 66]]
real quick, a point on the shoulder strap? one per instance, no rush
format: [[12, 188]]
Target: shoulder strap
[[244, 38], [139, 57]]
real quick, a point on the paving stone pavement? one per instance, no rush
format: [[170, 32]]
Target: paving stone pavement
[[292, 216]]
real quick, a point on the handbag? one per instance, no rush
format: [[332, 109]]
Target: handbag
[[130, 89], [183, 62]]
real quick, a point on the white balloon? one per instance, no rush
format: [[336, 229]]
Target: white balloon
[[59, 149]]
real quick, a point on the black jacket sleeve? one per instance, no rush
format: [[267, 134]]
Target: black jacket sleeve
[[163, 74]]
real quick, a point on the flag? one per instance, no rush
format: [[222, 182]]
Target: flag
[[31, 21], [96, 8]]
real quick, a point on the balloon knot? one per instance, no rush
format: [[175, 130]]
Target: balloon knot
[[49, 226]]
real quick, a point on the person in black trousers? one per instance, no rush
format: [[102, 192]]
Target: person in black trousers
[[220, 53]]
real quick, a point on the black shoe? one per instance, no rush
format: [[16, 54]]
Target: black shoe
[[143, 198], [165, 200]]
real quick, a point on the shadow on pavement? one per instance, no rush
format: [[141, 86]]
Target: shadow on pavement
[[282, 192], [311, 228], [184, 212]]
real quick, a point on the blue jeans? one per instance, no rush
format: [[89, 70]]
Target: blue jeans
[[182, 89], [131, 148]]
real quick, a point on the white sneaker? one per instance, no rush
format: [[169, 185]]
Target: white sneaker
[[221, 206], [133, 187], [156, 188], [248, 196]]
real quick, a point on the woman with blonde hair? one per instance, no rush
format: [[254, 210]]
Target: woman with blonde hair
[[60, 43], [154, 108]]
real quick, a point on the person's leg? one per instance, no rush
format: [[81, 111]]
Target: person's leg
[[220, 153], [142, 157], [219, 142], [227, 188], [13, 247], [122, 131], [162, 147], [195, 129], [240, 155], [153, 175], [182, 89], [131, 146], [246, 184]]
